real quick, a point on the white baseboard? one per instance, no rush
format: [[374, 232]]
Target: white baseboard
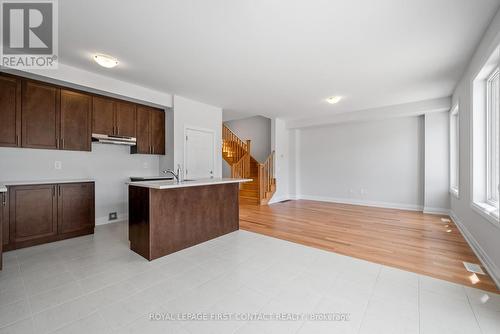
[[387, 205], [104, 220], [436, 211], [278, 199], [486, 261]]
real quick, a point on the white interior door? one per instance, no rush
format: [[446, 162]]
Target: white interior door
[[199, 154]]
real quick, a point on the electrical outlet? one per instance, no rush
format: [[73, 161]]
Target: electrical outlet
[[363, 191], [57, 164], [145, 165], [113, 216]]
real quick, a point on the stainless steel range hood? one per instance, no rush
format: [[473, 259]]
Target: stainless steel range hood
[[116, 140]]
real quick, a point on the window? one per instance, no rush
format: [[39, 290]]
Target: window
[[454, 150], [492, 138], [485, 140]]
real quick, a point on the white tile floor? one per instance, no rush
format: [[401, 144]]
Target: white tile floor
[[95, 284]]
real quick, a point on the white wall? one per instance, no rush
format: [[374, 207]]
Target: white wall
[[294, 163], [437, 199], [280, 142], [109, 165], [258, 130], [372, 163], [483, 235], [189, 113]]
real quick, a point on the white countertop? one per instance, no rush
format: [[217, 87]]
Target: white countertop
[[23, 182], [173, 184]]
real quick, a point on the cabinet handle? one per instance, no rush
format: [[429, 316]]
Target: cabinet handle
[[59, 190], [4, 201], [117, 129], [62, 143], [17, 140], [53, 191]]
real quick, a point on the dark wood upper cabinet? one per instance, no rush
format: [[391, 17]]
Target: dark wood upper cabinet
[[33, 213], [35, 114], [157, 131], [76, 119], [112, 117], [103, 116], [125, 119], [75, 207], [150, 131], [143, 131], [10, 111], [40, 115]]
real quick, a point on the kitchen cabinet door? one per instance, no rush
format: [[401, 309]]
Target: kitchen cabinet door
[[125, 119], [76, 118], [158, 131], [10, 111], [103, 116], [75, 207], [4, 213], [40, 115], [33, 214], [143, 131]]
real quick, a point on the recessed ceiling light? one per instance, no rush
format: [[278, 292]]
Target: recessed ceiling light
[[333, 99], [106, 61]]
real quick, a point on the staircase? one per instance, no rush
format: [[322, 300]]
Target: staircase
[[236, 152]]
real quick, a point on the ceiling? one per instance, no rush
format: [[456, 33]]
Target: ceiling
[[280, 58]]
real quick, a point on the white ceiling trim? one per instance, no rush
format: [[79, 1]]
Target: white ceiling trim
[[399, 110]]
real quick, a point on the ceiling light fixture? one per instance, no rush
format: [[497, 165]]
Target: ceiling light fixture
[[105, 61], [333, 99]]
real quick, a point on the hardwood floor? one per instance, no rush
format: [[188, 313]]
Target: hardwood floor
[[408, 240]]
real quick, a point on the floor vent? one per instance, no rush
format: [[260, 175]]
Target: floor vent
[[473, 268]]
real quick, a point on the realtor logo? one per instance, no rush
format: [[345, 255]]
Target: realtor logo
[[29, 34]]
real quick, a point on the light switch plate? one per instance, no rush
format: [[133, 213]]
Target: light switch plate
[[57, 164]]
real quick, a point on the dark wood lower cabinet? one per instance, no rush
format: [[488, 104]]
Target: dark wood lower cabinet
[[33, 213], [75, 207], [165, 221], [40, 214]]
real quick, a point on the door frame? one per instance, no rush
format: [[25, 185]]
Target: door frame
[[197, 128]]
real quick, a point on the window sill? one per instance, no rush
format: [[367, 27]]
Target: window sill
[[487, 211]]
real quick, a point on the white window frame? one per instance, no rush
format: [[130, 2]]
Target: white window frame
[[455, 150], [480, 146], [491, 147]]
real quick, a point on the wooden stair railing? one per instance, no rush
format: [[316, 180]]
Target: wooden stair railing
[[241, 169], [236, 152], [234, 147], [266, 177]]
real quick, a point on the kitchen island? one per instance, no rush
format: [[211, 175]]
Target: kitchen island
[[166, 216]]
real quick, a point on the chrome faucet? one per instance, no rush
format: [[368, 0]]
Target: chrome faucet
[[177, 176]]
